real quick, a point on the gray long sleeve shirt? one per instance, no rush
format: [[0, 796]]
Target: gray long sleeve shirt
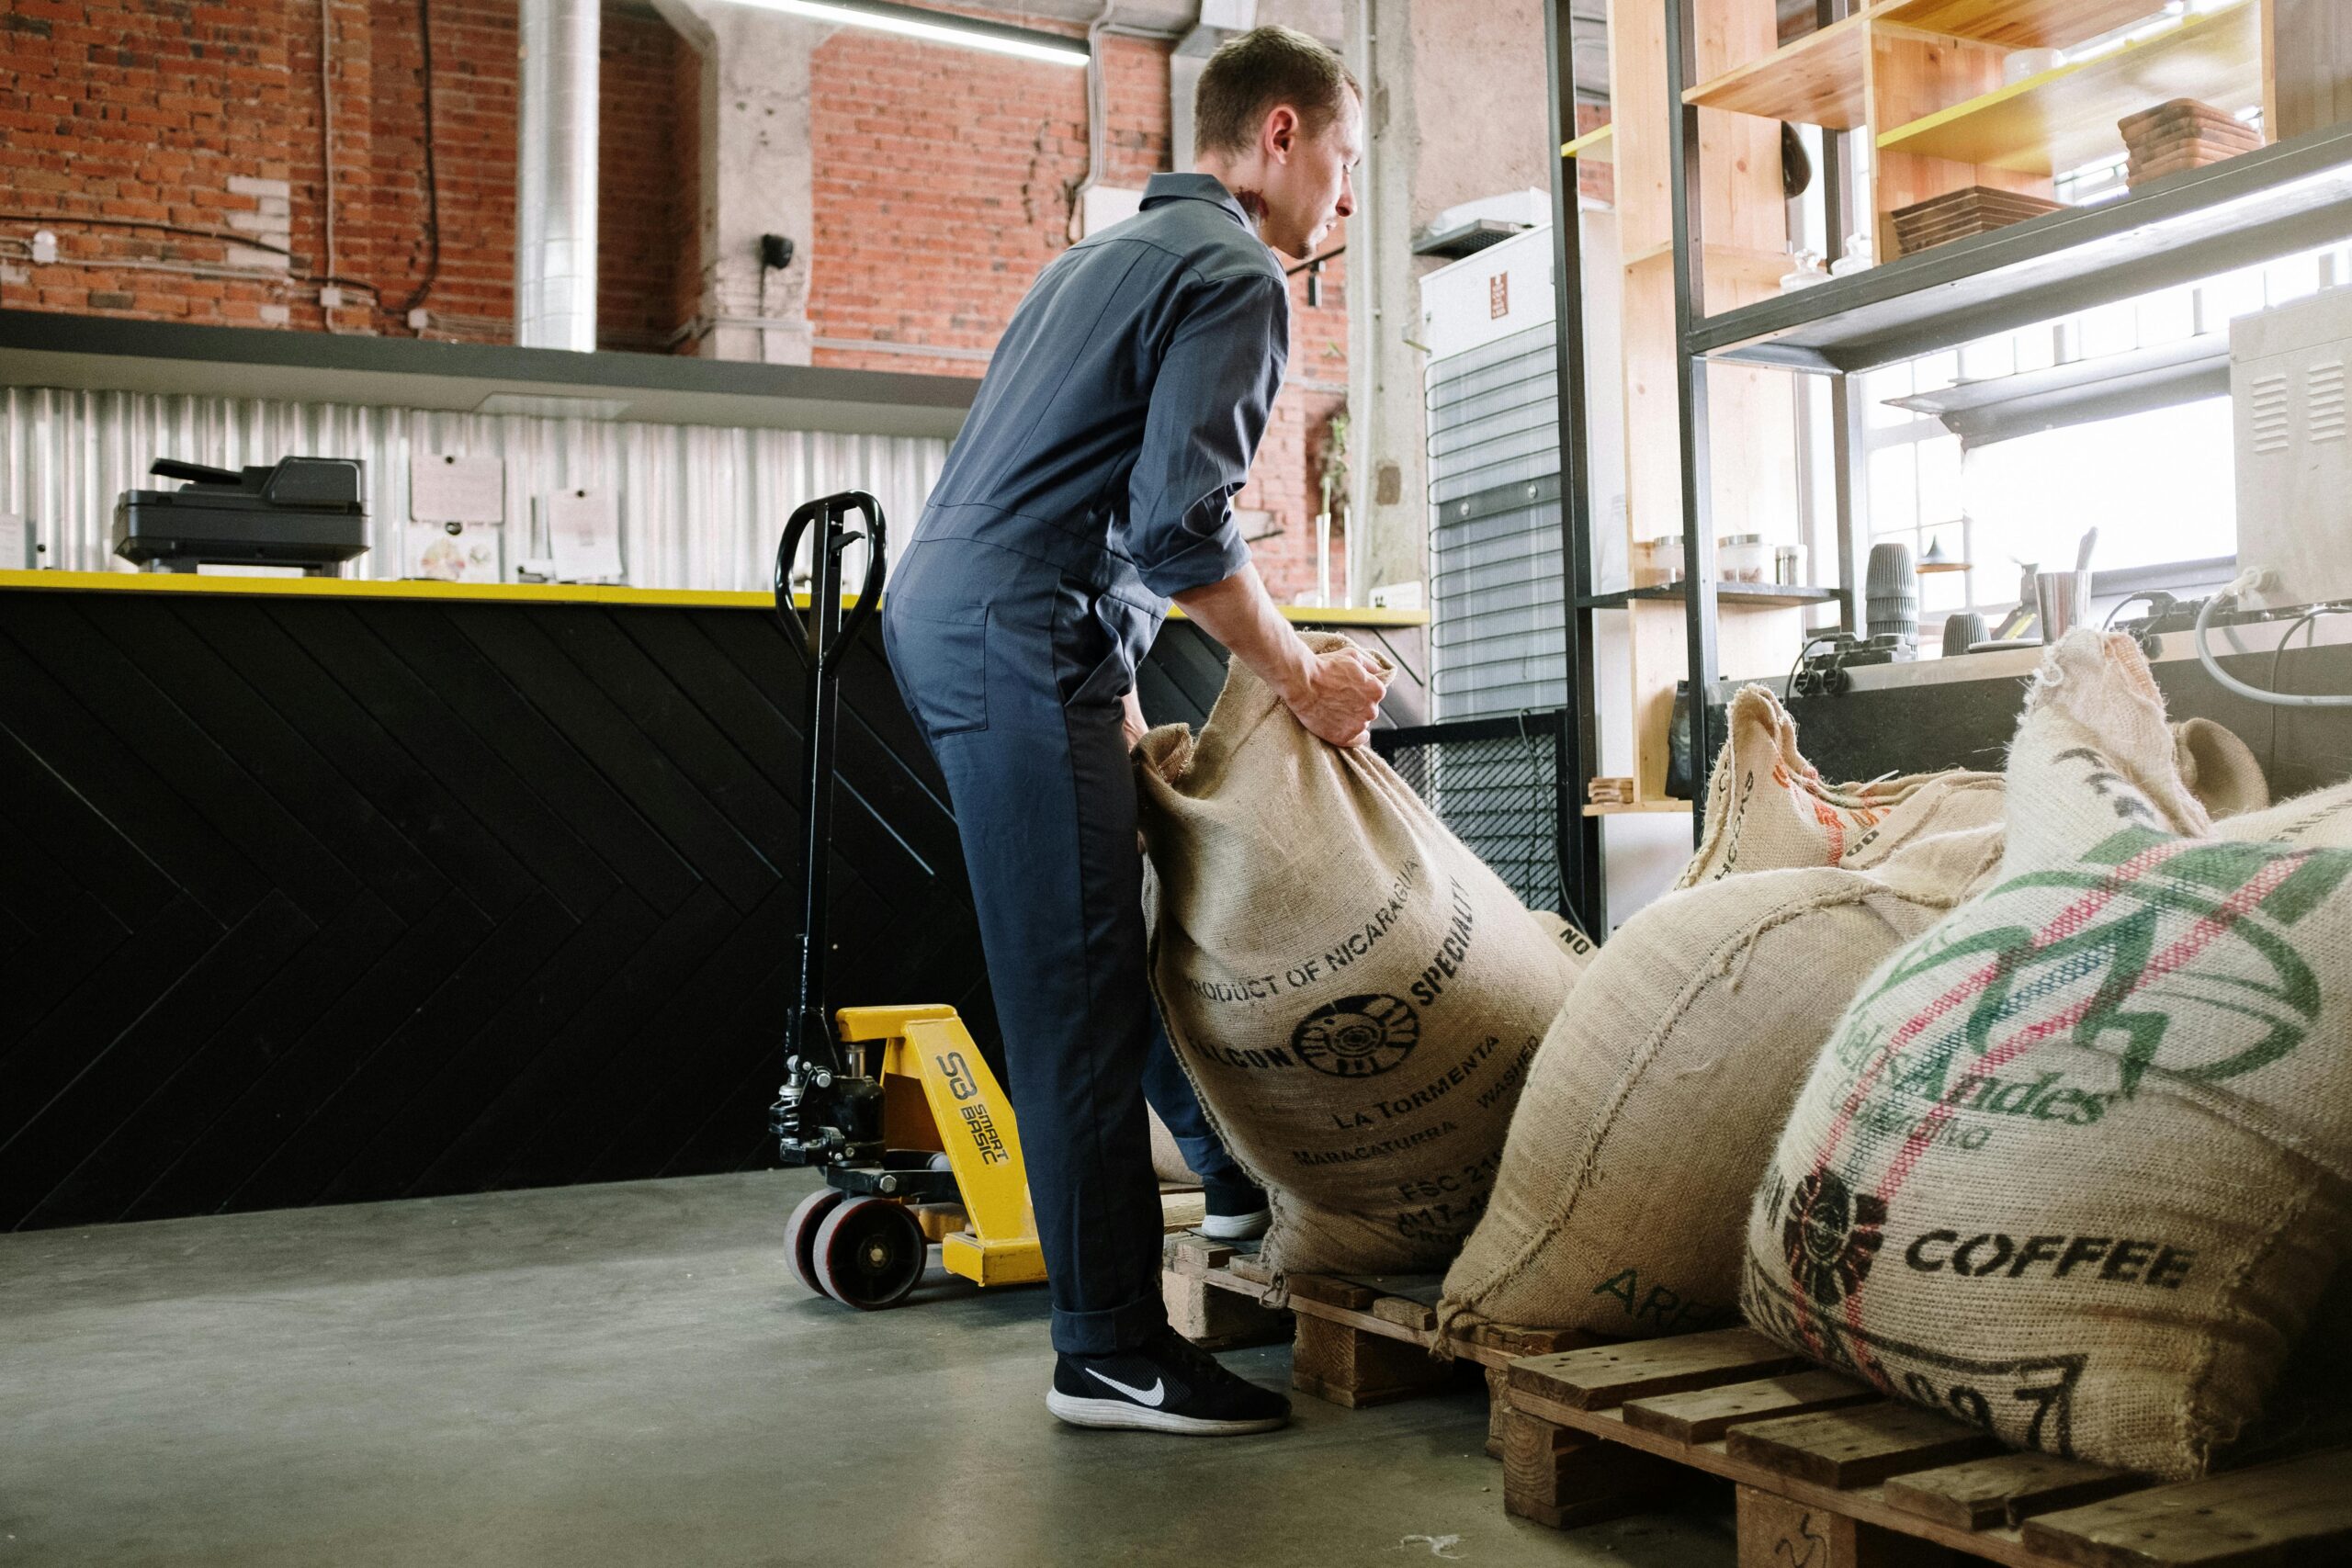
[[1122, 408]]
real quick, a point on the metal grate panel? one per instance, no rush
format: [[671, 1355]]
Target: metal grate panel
[[1496, 782]]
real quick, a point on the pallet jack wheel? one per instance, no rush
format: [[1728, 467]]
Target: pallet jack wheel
[[870, 1253], [801, 1235]]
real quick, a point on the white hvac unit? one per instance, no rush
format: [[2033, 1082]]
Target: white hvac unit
[[1497, 600], [2294, 451]]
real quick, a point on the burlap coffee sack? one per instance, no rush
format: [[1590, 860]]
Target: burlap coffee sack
[[1661, 1089], [1355, 995], [2218, 768], [1769, 810], [2075, 1164], [1166, 1159]]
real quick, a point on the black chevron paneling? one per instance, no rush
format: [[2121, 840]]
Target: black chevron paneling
[[323, 901]]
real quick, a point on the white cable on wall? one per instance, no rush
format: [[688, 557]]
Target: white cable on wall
[[2245, 583]]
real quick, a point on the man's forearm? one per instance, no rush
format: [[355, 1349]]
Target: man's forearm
[[1241, 614]]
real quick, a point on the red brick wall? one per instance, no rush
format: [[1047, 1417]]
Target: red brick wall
[[943, 187], [144, 110], [648, 167], [474, 91], [138, 114]]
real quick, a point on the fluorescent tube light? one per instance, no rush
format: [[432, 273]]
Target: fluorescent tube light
[[936, 26]]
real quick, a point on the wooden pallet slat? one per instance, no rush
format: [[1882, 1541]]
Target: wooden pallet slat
[[1702, 1414], [1405, 1313], [1601, 1377], [2294, 1512], [1858, 1446], [1329, 1289], [1251, 1267], [1196, 1256], [1983, 1493]]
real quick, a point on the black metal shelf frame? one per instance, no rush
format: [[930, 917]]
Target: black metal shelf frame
[[2258, 207], [1579, 836], [1777, 595], [2293, 196], [1700, 592]]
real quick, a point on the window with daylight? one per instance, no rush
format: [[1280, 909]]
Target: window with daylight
[[2155, 475]]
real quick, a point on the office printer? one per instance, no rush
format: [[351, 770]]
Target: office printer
[[304, 512]]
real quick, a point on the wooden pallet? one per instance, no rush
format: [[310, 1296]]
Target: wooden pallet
[[1204, 1305], [1366, 1339], [1831, 1474]]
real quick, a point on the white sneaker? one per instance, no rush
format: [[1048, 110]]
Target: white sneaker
[[1237, 1227]]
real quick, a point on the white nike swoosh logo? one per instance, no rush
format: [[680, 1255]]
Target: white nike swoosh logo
[[1148, 1400]]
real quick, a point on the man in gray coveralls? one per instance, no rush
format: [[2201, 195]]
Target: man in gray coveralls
[[1093, 483]]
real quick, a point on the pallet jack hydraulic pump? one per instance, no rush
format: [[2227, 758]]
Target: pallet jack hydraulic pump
[[895, 1105]]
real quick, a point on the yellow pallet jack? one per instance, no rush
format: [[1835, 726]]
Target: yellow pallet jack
[[894, 1104]]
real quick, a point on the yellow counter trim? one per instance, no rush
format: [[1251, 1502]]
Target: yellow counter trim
[[523, 593]]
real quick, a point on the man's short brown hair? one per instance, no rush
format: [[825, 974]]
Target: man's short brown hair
[[1252, 73]]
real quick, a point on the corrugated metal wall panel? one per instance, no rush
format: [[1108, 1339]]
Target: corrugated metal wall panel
[[701, 506], [1495, 583]]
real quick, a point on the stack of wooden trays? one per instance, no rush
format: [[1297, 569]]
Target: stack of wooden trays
[[1609, 792], [1958, 215], [2182, 134]]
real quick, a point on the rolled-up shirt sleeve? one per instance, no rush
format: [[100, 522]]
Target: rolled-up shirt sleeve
[[1210, 402]]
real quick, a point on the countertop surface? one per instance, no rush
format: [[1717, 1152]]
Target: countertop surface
[[521, 593]]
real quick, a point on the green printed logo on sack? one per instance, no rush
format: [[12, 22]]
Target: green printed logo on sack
[[2103, 972], [2076, 1164]]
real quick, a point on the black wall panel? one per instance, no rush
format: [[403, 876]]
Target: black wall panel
[[311, 900]]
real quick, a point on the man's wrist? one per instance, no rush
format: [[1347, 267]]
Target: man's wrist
[[1294, 682]]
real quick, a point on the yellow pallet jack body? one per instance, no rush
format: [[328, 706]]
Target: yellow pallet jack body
[[965, 1115]]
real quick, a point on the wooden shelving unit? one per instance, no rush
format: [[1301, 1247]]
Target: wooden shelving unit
[[1820, 79], [1700, 92], [1731, 595], [2065, 117], [1596, 146], [2294, 196], [2015, 23]]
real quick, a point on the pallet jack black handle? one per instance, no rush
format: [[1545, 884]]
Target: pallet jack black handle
[[824, 609], [821, 1112]]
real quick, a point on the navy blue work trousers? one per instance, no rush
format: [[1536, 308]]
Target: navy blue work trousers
[[1014, 670]]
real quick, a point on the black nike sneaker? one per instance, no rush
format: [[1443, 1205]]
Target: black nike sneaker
[[1165, 1385]]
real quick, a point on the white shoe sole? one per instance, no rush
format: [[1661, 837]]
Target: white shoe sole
[[1117, 1415], [1237, 1227]]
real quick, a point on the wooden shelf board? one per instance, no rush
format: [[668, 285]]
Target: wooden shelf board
[[1729, 268], [2065, 117], [1816, 80], [1728, 595], [2293, 196], [1639, 809], [1595, 146], [2018, 24]]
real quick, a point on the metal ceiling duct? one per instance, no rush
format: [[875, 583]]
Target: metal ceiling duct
[[555, 186]]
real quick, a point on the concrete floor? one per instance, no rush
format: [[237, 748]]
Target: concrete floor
[[628, 1375]]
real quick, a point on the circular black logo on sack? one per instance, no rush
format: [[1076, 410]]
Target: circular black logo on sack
[[1358, 1037], [1830, 1236]]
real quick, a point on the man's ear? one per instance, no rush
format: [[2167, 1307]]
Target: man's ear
[[1282, 132]]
